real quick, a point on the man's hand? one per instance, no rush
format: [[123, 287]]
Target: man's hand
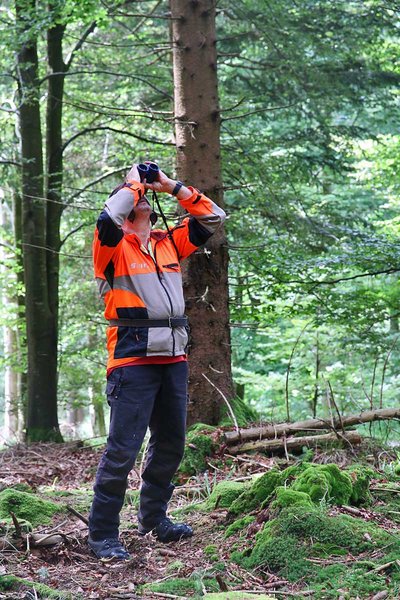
[[163, 183]]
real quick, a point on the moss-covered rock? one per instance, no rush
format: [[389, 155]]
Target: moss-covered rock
[[325, 482], [286, 497], [199, 447], [27, 506], [285, 543], [239, 524], [224, 493], [259, 491]]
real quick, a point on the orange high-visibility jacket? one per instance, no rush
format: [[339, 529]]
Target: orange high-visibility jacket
[[140, 283]]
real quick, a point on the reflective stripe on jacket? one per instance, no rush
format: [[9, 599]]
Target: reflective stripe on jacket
[[137, 284]]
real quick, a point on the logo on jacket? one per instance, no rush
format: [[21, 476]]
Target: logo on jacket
[[139, 265]]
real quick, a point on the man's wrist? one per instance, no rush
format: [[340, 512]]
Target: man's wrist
[[178, 185]]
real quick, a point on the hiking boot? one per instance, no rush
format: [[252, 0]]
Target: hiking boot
[[166, 531], [108, 550]]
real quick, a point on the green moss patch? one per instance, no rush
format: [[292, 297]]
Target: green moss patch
[[360, 477], [10, 582], [238, 525], [244, 413], [27, 506], [286, 543], [320, 483], [325, 482], [79, 498], [225, 493], [199, 447], [182, 587], [286, 497], [237, 596], [260, 490]]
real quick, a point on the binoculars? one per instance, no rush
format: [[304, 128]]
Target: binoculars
[[148, 171]]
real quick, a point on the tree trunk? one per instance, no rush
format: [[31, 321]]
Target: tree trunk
[[41, 331], [197, 129], [54, 161], [21, 336], [11, 375]]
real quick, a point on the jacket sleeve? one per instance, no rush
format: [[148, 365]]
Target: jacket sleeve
[[108, 233], [205, 218]]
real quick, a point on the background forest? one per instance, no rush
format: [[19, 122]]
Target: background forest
[[309, 121], [285, 113]]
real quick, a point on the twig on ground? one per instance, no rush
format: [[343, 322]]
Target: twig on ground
[[77, 514], [382, 489], [18, 529], [247, 460]]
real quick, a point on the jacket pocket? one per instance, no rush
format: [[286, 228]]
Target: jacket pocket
[[113, 387]]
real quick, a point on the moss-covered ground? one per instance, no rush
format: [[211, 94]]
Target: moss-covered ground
[[322, 527]]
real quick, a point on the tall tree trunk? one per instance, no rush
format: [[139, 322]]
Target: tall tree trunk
[[11, 379], [197, 119], [41, 332], [21, 335], [315, 396]]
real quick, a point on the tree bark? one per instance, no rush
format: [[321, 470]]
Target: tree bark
[[273, 431], [41, 333], [20, 299], [197, 129], [54, 161], [297, 443], [11, 429]]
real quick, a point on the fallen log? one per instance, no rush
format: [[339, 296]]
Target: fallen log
[[297, 443], [280, 429]]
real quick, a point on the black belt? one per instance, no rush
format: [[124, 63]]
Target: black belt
[[170, 322]]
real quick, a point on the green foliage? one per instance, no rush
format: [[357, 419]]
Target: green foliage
[[27, 506]]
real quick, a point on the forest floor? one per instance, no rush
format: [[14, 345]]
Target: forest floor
[[203, 565]]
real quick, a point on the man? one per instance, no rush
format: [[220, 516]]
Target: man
[[139, 278]]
